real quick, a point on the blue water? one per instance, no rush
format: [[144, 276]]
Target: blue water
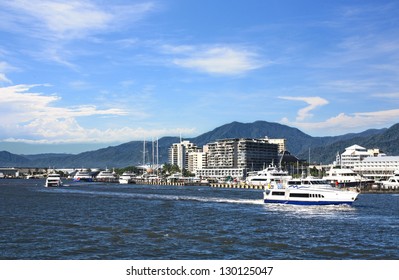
[[111, 221]]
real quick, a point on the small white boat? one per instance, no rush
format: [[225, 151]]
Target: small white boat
[[267, 176], [308, 191], [392, 182], [53, 180], [127, 178]]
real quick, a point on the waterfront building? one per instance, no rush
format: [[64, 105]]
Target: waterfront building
[[377, 167], [178, 153], [282, 144], [244, 153], [9, 172], [226, 157], [197, 160], [353, 155], [221, 173]]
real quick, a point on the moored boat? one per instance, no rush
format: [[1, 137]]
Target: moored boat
[[127, 178], [308, 191], [267, 176], [106, 176], [82, 175], [345, 177], [392, 183]]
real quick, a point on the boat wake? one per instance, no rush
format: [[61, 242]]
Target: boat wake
[[308, 211], [158, 196]]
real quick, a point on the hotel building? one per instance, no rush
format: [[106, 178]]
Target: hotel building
[[234, 157]]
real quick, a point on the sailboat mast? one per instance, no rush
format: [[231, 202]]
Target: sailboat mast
[[152, 146], [144, 153]]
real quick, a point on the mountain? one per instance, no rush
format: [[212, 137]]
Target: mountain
[[8, 159], [322, 149], [258, 129], [387, 140]]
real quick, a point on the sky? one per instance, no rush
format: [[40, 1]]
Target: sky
[[79, 75]]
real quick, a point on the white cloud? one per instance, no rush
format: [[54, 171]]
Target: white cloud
[[4, 67], [389, 95], [224, 60], [34, 118], [69, 19], [313, 102], [4, 79], [345, 123], [55, 25]]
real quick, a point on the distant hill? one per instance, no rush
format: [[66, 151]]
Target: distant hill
[[8, 159], [387, 140], [322, 149]]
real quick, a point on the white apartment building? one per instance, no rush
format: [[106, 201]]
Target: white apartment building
[[245, 153], [234, 157], [178, 153], [196, 160]]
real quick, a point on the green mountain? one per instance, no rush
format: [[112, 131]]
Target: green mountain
[[322, 149]]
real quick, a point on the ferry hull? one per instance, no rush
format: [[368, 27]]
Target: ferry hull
[[298, 202], [83, 179], [53, 185]]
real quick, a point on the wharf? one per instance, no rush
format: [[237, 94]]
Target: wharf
[[165, 183], [213, 185], [236, 186]]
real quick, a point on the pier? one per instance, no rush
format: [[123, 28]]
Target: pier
[[236, 186]]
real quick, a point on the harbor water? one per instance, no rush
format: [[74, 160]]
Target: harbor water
[[89, 221]]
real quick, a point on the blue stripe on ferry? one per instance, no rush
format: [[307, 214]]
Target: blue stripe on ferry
[[296, 202]]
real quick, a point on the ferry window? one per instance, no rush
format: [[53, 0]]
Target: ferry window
[[278, 193], [299, 195]]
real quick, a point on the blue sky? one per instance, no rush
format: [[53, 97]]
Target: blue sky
[[76, 75]]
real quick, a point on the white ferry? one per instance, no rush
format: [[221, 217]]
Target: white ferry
[[267, 176], [345, 177], [308, 191], [53, 180], [82, 175], [392, 182]]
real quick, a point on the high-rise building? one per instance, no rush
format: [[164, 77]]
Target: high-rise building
[[178, 153], [245, 153]]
